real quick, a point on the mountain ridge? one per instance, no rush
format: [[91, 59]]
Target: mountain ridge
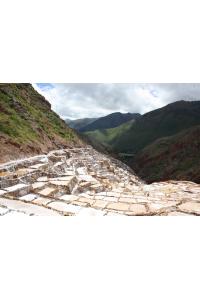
[[136, 143], [171, 158], [110, 121], [79, 123]]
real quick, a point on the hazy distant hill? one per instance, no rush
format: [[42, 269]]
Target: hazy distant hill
[[79, 123], [28, 125], [110, 121]]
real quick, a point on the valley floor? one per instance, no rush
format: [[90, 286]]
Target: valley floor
[[83, 182]]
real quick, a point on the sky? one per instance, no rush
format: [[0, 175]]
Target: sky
[[90, 100]]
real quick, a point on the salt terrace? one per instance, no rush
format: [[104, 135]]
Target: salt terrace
[[84, 182]]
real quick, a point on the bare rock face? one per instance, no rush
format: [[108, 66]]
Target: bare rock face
[[83, 182]]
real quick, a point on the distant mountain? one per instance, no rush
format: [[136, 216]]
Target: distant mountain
[[107, 137], [79, 123], [28, 126], [160, 145], [156, 124], [110, 121], [176, 157]]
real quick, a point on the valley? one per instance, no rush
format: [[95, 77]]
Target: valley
[[117, 165], [160, 145]]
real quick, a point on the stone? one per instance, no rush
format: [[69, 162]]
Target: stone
[[88, 201], [178, 213], [19, 189], [28, 208], [118, 206], [39, 166], [110, 199], [190, 207], [69, 173], [64, 207], [47, 191], [42, 200], [154, 207], [38, 185], [24, 171], [69, 197], [138, 209], [128, 200], [42, 179], [87, 178], [100, 204], [79, 203], [68, 183], [29, 197]]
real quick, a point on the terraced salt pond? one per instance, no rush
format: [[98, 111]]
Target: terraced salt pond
[[83, 182]]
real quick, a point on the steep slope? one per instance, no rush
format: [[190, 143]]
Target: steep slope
[[162, 122], [176, 157], [107, 137], [110, 121], [79, 123], [28, 125]]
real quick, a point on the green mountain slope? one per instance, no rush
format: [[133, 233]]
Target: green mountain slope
[[176, 157], [107, 137], [28, 125], [79, 123], [110, 121], [161, 145], [162, 122]]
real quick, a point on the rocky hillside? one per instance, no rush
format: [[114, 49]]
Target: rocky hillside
[[28, 125]]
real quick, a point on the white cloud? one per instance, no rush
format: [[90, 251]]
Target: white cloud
[[95, 100]]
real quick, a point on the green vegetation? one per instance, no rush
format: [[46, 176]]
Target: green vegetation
[[132, 137], [175, 157], [163, 122], [79, 123], [162, 144], [110, 121], [107, 137], [25, 116]]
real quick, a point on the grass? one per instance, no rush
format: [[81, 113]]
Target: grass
[[108, 137], [25, 116]]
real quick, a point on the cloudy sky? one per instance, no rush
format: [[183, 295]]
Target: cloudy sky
[[81, 100]]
